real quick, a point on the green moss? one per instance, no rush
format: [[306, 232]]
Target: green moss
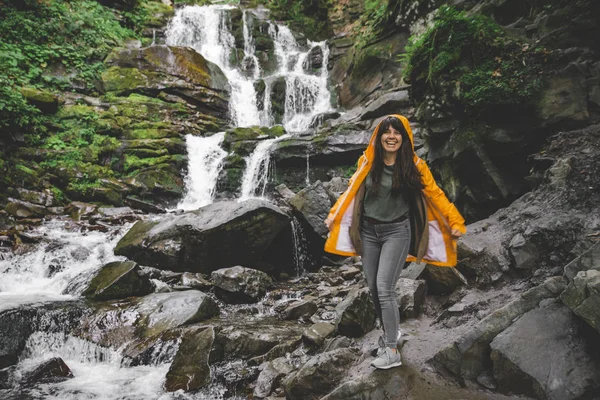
[[470, 61], [117, 79], [133, 162]]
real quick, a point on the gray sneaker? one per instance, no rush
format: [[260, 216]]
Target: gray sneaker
[[381, 343], [389, 359]]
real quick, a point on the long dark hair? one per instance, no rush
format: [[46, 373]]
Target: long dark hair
[[405, 175]]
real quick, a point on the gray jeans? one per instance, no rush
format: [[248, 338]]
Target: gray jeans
[[385, 247]]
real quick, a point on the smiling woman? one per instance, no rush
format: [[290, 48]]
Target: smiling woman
[[392, 212]]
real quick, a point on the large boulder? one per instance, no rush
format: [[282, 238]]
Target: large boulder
[[469, 355], [240, 285], [50, 371], [139, 322], [270, 376], [220, 235], [356, 313], [583, 297], [178, 71], [546, 361], [319, 375], [118, 280], [590, 259]]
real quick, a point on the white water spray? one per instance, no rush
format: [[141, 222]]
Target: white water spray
[[205, 157]]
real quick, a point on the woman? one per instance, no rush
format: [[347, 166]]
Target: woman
[[392, 212]]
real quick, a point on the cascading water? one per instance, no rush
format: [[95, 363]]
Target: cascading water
[[208, 30], [205, 158], [59, 267]]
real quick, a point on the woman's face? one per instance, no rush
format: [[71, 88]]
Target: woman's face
[[391, 140]]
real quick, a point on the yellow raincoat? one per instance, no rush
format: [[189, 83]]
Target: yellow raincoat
[[442, 216]]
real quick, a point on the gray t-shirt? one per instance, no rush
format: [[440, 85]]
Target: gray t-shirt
[[384, 206]]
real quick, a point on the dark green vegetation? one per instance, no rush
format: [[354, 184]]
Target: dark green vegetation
[[469, 61], [50, 48], [307, 16]]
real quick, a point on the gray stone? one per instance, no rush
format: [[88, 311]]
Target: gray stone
[[319, 375], [590, 259], [356, 313], [53, 370], [304, 308], [314, 204], [24, 209], [240, 285], [317, 333], [583, 297], [139, 322], [442, 280], [413, 271], [469, 355], [542, 360], [350, 273], [195, 281], [524, 253], [411, 296], [285, 192], [220, 235], [253, 340], [118, 280], [270, 376], [190, 370], [389, 103]]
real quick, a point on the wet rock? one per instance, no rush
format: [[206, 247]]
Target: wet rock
[[304, 308], [252, 340], [469, 355], [144, 206], [6, 377], [77, 210], [583, 297], [270, 376], [17, 324], [44, 198], [51, 371], [316, 334], [240, 285], [356, 313], [284, 192], [319, 375], [314, 60], [314, 204], [280, 350], [411, 296], [441, 280], [24, 209], [195, 281], [139, 321], [350, 272], [546, 361], [220, 235], [118, 280], [336, 185], [590, 259], [190, 369], [185, 72]]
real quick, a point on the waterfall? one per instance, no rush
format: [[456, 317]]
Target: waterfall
[[207, 30], [205, 157]]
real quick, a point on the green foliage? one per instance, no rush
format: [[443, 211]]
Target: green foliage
[[46, 44], [307, 16], [473, 56], [373, 21]]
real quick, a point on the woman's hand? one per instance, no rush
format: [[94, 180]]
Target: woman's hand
[[328, 223], [456, 233]]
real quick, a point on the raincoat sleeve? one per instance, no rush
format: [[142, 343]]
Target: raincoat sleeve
[[439, 199], [338, 203]]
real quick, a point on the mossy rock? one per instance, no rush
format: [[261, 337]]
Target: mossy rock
[[252, 133], [77, 112], [117, 79], [150, 133], [45, 101], [171, 145], [133, 162], [159, 14], [118, 280], [162, 178]]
